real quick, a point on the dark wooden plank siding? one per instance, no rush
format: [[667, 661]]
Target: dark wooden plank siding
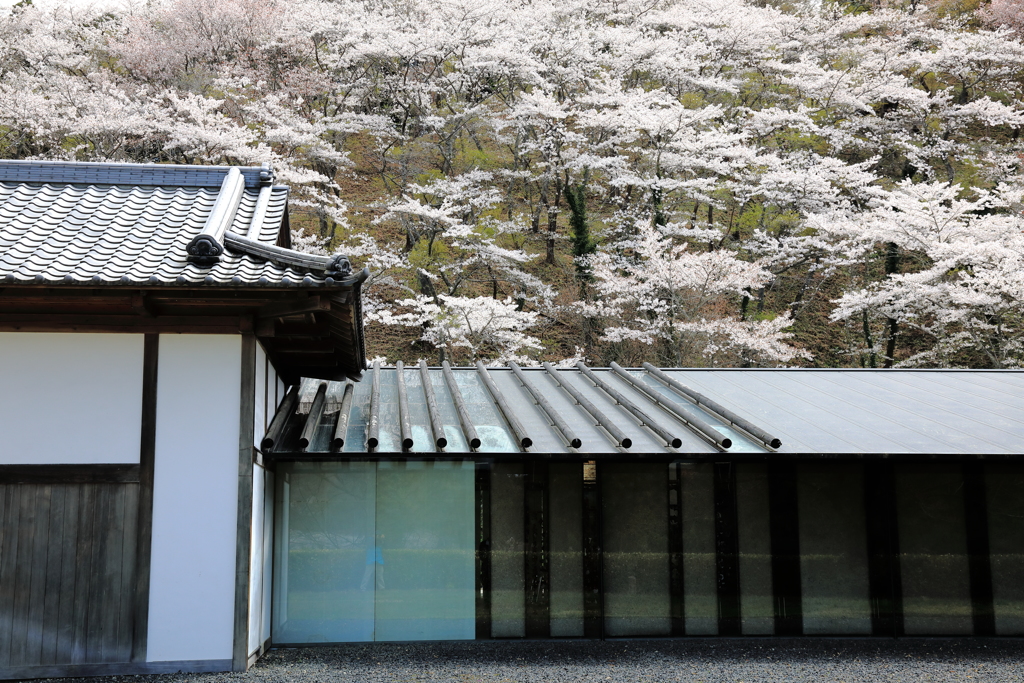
[[8, 568], [54, 568], [67, 566]]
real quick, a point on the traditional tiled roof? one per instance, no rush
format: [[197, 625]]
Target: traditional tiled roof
[[133, 224], [647, 412], [153, 247]]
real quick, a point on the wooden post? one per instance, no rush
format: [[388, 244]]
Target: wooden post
[[144, 526], [243, 535]]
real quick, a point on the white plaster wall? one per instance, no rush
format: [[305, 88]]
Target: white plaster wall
[[260, 417], [256, 563], [192, 579], [268, 554], [70, 398]]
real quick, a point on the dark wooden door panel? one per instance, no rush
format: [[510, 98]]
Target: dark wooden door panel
[[67, 568]]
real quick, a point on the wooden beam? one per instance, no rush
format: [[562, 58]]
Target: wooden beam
[[58, 322], [243, 531], [144, 526], [269, 327], [286, 345], [312, 304], [69, 474]]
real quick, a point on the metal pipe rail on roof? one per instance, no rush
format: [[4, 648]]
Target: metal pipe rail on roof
[[436, 426], [283, 413], [313, 419], [460, 407], [403, 407], [619, 438], [517, 427], [696, 424], [341, 428], [556, 419], [373, 423], [670, 439], [721, 411]]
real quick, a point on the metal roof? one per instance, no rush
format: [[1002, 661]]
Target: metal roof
[[64, 223], [616, 412]]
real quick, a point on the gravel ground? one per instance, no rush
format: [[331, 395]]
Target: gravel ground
[[622, 661]]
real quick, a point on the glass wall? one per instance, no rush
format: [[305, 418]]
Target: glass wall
[[387, 550], [636, 562], [508, 536], [1004, 484], [374, 551], [566, 505], [700, 589], [756, 603], [833, 549], [933, 549]]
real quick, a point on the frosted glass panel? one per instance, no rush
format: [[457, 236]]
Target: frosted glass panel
[[700, 602], [566, 499], [325, 541], [1004, 484], [933, 549], [374, 551], [757, 604], [833, 548], [636, 567], [425, 531]]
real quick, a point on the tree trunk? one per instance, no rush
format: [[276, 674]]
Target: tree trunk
[[892, 265]]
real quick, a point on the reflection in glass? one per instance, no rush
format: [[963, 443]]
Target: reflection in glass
[[508, 607], [1004, 483], [636, 562], [566, 485], [933, 549], [756, 596], [700, 603], [833, 548]]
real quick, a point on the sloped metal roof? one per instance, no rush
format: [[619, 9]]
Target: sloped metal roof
[[811, 412], [132, 224]]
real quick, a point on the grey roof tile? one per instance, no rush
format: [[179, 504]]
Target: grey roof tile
[[69, 222]]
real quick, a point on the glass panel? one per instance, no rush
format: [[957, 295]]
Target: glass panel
[[756, 596], [933, 549], [325, 536], [426, 571], [700, 589], [833, 548], [566, 505], [636, 562], [508, 607], [1004, 483]]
